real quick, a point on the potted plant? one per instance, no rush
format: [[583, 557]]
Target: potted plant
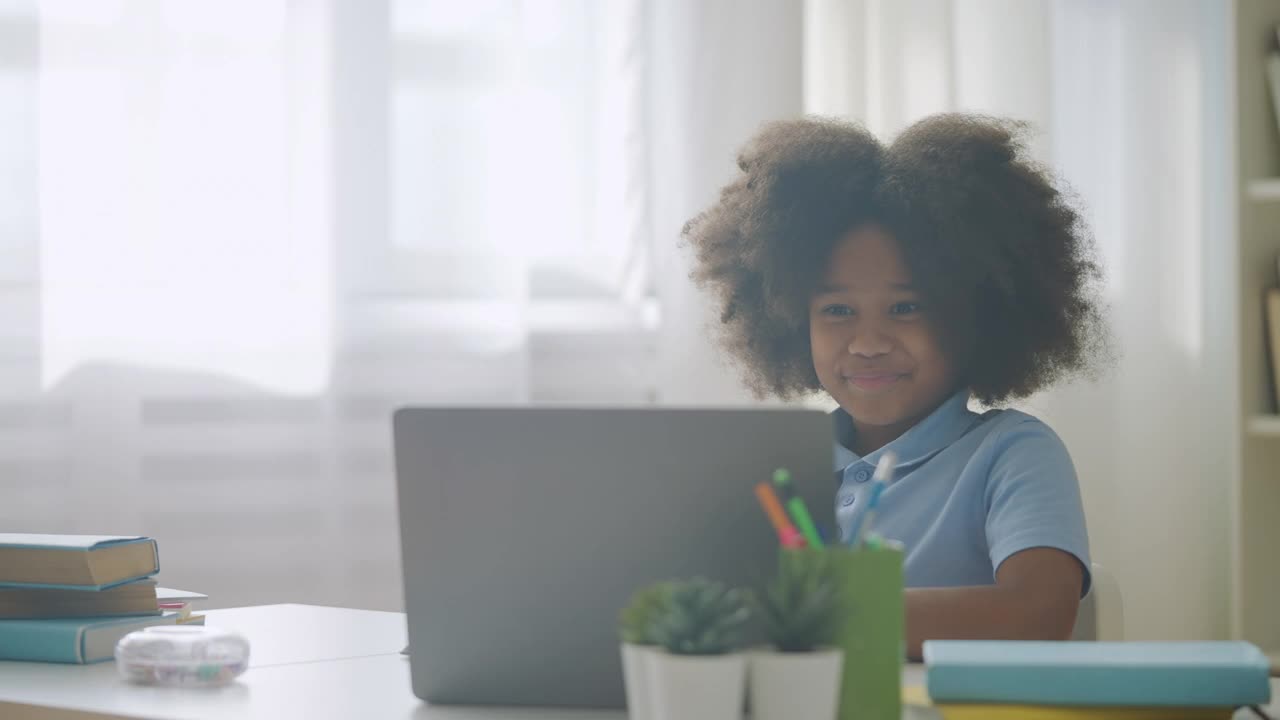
[[698, 673], [635, 624], [799, 676]]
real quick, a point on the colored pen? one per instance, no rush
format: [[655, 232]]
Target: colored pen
[[795, 503], [868, 518], [883, 474], [787, 533]]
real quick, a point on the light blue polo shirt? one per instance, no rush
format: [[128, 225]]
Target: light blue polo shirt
[[968, 492]]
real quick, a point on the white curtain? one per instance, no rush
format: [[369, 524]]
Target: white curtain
[[235, 235], [720, 69], [1128, 99]]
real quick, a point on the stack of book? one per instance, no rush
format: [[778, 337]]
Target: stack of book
[[994, 680], [70, 598]]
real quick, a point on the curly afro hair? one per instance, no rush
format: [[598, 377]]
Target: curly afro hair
[[991, 243]]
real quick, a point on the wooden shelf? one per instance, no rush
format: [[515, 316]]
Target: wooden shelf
[[1265, 189], [1252, 150], [1268, 425]]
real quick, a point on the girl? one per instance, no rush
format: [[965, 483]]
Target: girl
[[903, 280]]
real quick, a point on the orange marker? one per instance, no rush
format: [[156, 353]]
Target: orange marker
[[787, 533]]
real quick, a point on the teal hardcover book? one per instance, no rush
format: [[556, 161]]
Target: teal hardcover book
[[1152, 674], [72, 640], [75, 562]]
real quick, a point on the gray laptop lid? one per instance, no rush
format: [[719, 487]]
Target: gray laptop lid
[[524, 531]]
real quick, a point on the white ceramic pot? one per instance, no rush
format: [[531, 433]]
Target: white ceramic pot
[[785, 686], [635, 677], [697, 687]]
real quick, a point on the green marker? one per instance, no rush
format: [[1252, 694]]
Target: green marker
[[799, 513]]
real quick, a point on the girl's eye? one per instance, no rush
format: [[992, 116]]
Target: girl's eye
[[904, 308], [837, 310]]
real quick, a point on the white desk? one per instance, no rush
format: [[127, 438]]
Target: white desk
[[307, 662]]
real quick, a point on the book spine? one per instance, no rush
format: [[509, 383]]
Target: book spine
[[27, 640], [1216, 686], [1272, 313], [1273, 79]]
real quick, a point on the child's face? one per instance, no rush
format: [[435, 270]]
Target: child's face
[[873, 349]]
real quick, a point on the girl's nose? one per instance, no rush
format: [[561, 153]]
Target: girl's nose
[[869, 342]]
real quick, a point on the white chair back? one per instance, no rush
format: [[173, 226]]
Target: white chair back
[[1101, 614]]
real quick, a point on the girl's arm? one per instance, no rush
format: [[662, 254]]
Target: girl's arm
[[1036, 596]]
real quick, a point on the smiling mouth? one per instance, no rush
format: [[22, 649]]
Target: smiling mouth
[[873, 381]]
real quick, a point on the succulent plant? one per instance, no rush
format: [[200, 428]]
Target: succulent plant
[[635, 622], [702, 617], [799, 609]]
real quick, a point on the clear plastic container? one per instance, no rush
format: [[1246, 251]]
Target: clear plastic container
[[182, 655]]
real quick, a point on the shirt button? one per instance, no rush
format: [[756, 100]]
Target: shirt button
[[861, 476], [847, 500]]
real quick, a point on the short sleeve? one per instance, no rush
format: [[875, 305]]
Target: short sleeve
[[1033, 497]]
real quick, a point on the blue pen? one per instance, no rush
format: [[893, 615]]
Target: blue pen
[[868, 518], [884, 473]]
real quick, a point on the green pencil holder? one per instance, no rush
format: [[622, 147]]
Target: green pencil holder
[[871, 627]]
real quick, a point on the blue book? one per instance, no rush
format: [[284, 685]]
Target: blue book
[[1153, 674], [71, 640], [75, 562]]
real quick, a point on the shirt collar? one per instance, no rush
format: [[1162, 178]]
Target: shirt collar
[[946, 424]]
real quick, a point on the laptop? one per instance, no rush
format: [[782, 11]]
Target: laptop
[[525, 530]]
